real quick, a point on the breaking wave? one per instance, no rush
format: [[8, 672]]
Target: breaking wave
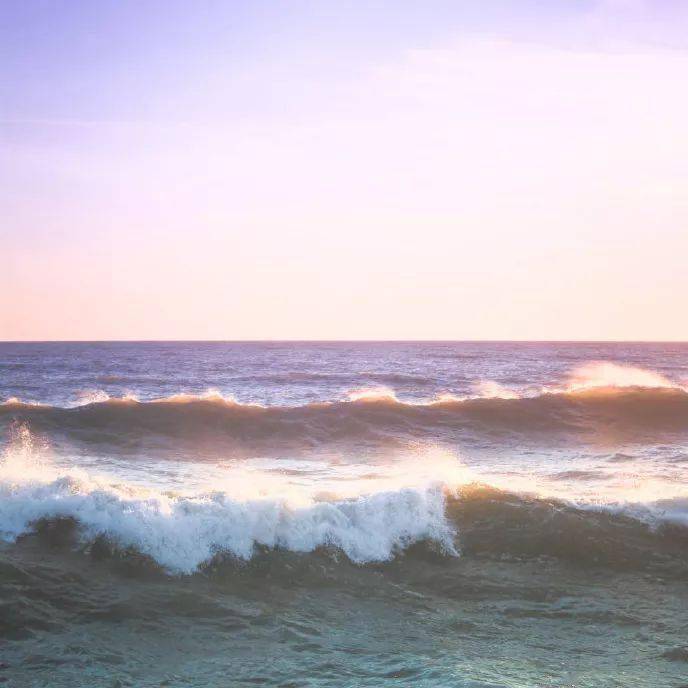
[[183, 531], [373, 417], [374, 521], [183, 534]]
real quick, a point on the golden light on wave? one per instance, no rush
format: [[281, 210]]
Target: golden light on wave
[[604, 374], [372, 394]]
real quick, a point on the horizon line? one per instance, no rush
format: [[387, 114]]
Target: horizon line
[[343, 341]]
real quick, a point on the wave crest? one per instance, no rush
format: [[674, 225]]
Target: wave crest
[[183, 533], [214, 424], [371, 518]]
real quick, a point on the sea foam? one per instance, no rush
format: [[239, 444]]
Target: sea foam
[[182, 532]]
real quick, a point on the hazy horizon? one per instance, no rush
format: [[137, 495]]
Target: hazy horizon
[[344, 341]]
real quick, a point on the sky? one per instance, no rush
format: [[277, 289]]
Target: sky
[[380, 169]]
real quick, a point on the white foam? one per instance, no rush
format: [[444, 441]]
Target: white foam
[[86, 397], [181, 533], [606, 374]]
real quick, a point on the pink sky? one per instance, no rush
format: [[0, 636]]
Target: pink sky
[[509, 173]]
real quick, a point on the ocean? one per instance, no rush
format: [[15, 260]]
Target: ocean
[[344, 514]]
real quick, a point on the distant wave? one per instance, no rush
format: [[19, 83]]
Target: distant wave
[[369, 417]]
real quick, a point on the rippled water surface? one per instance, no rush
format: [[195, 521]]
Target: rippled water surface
[[333, 514]]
